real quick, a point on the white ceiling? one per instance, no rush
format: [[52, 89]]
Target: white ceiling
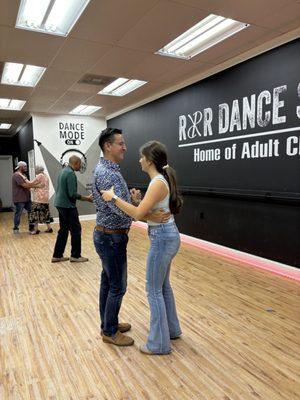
[[118, 38]]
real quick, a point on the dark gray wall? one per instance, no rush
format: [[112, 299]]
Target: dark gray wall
[[19, 144], [10, 146], [25, 138], [248, 204]]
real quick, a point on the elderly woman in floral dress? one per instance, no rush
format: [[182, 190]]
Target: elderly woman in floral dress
[[40, 206]]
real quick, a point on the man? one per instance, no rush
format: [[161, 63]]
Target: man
[[21, 194], [111, 236], [65, 202]]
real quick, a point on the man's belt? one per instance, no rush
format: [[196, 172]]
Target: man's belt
[[106, 230]]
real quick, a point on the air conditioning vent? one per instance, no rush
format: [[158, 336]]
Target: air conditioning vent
[[97, 80]]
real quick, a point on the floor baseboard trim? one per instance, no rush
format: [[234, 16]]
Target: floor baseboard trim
[[277, 268]]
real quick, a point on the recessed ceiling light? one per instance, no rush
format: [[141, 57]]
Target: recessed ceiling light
[[21, 75], [56, 17], [11, 104], [122, 86], [83, 109], [5, 126], [207, 33]]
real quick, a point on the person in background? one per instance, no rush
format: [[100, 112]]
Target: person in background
[[164, 237], [65, 202], [21, 195], [40, 213]]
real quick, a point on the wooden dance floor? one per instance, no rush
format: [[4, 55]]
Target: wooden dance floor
[[240, 327]]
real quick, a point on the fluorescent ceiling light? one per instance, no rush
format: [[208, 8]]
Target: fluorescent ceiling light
[[207, 33], [83, 109], [5, 126], [122, 86], [56, 17], [11, 104], [21, 75]]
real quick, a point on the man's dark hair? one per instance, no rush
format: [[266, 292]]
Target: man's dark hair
[[107, 135]]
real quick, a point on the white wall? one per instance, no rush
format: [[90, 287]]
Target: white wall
[[59, 133]]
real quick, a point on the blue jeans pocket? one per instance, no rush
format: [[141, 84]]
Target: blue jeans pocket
[[118, 238]]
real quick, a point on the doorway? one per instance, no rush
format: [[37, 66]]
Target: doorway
[[6, 171]]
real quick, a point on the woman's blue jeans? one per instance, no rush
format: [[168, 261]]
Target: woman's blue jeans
[[164, 324]]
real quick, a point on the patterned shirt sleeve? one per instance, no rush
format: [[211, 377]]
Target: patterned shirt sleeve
[[105, 182]]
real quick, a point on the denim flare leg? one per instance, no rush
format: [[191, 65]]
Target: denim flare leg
[[164, 324]]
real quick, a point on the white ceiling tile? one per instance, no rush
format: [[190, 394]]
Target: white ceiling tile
[[8, 12], [107, 21], [59, 108], [249, 11], [155, 65], [70, 100], [18, 45], [76, 98], [283, 20], [78, 55], [15, 92], [85, 88], [38, 105], [12, 115], [160, 25], [46, 94], [58, 79], [103, 101], [191, 68], [118, 62]]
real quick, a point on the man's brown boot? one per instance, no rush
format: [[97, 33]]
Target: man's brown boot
[[119, 339], [122, 327]]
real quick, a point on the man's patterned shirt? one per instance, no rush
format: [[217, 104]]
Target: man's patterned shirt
[[106, 175]]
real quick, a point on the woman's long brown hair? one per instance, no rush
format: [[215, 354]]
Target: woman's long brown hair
[[156, 152]]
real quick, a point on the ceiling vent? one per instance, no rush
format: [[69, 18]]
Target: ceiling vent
[[97, 80]]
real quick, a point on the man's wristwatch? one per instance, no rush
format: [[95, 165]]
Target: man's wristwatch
[[114, 198]]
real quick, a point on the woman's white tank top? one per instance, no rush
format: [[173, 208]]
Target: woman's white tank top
[[164, 203]]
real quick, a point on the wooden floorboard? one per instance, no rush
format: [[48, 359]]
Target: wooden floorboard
[[240, 327]]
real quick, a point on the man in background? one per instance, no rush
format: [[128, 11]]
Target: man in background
[[65, 202], [21, 194]]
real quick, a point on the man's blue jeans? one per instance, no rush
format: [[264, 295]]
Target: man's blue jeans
[[111, 249], [164, 324], [18, 212]]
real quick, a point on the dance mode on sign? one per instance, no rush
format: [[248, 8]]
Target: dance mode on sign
[[72, 133]]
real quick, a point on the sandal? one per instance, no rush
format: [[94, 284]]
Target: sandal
[[34, 232]]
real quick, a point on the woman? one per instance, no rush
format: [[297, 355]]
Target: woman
[[162, 193], [40, 206]]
